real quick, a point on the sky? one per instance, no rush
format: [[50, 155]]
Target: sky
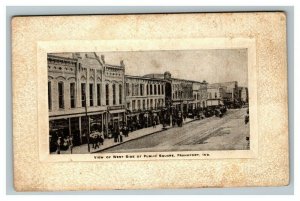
[[214, 66]]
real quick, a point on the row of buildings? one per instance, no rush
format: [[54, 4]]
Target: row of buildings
[[86, 94]]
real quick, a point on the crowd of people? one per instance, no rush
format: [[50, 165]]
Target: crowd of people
[[118, 132]]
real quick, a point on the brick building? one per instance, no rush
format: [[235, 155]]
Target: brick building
[[84, 95], [145, 98]]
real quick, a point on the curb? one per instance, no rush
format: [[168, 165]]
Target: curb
[[115, 145]]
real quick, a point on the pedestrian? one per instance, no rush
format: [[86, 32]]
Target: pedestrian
[[121, 136], [247, 117], [58, 144], [101, 138], [154, 124], [97, 141], [116, 135], [71, 144]]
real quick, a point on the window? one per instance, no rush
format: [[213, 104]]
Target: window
[[72, 94], [139, 104], [215, 94], [127, 89], [151, 89], [128, 105], [83, 103], [137, 89], [120, 94], [91, 95], [151, 103], [155, 103], [147, 89], [98, 94], [162, 90], [141, 89], [133, 105], [132, 90], [107, 94], [49, 96], [147, 103], [144, 104], [61, 95], [114, 94], [154, 89], [158, 89]]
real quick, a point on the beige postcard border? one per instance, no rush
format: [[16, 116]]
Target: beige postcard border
[[44, 47]]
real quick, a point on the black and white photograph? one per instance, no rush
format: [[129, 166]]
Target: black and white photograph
[[148, 101]]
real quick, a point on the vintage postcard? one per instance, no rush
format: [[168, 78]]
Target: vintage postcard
[[153, 100]]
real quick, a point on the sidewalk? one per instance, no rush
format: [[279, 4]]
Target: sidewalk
[[108, 143]]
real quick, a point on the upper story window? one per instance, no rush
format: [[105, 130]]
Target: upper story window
[[114, 94], [107, 94], [120, 94], [155, 90], [83, 101], [151, 89], [162, 90], [61, 95], [133, 104], [147, 89], [139, 104], [72, 95], [159, 89], [91, 95], [127, 89], [49, 96], [98, 94], [141, 89], [132, 90]]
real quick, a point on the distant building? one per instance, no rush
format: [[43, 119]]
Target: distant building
[[243, 94], [199, 94], [183, 94], [226, 91]]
